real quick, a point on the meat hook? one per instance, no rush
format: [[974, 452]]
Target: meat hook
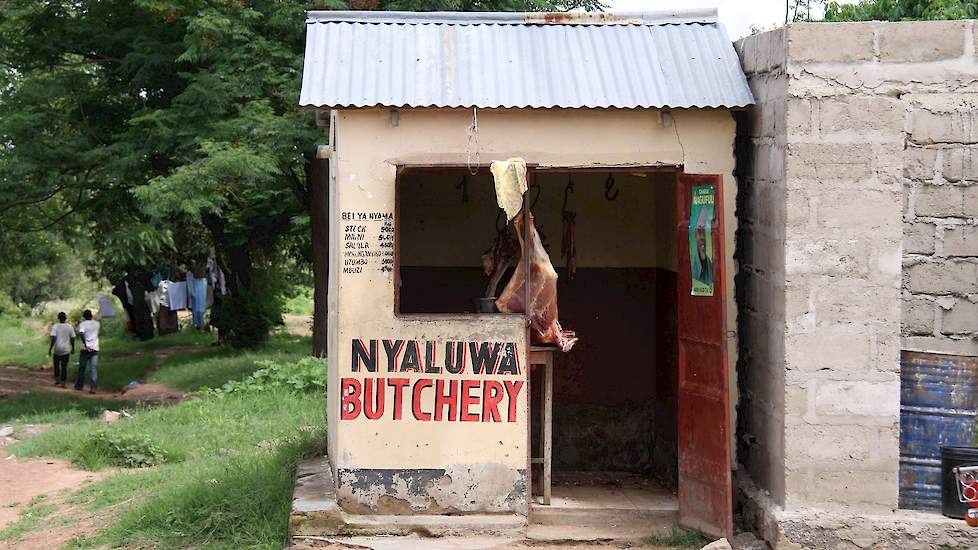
[[464, 186], [567, 190], [609, 185]]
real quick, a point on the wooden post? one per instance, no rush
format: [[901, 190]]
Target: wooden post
[[547, 436]]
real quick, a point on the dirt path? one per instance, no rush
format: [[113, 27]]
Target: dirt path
[[23, 480], [19, 380], [300, 325], [59, 531], [49, 481], [151, 393]]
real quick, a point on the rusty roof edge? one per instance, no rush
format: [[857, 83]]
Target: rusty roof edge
[[659, 17]]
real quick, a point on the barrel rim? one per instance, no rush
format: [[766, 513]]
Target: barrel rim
[[959, 448]]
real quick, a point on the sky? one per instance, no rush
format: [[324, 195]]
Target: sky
[[736, 15]]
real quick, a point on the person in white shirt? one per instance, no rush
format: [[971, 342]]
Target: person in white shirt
[[88, 330], [62, 345]]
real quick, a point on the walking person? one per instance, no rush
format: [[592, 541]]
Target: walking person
[[88, 330], [62, 346]]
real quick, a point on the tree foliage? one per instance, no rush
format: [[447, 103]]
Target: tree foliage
[[157, 129], [39, 267], [147, 124], [901, 10]]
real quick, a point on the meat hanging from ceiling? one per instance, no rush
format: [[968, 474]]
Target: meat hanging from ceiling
[[501, 256], [509, 177], [543, 291]]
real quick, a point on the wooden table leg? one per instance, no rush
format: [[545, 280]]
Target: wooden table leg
[[548, 390]]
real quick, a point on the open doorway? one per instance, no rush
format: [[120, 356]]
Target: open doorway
[[614, 397], [619, 392], [614, 393]]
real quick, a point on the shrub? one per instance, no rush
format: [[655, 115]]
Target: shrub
[[245, 318], [116, 449], [7, 305], [305, 375]]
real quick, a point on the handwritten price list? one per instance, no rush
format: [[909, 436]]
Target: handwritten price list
[[368, 242]]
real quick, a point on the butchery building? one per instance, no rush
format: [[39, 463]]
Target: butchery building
[[531, 296]]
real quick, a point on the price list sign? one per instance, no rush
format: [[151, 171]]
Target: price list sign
[[368, 242]]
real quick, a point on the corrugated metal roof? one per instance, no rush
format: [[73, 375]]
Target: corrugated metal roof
[[493, 60], [517, 18]]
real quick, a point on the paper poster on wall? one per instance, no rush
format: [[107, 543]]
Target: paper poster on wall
[[701, 239]]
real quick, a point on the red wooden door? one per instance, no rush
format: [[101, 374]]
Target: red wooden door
[[705, 493]]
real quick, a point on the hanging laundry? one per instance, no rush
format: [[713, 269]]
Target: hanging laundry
[[153, 301], [161, 288], [106, 306], [177, 295], [197, 289]]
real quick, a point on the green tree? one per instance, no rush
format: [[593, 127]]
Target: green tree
[[901, 10], [136, 120]]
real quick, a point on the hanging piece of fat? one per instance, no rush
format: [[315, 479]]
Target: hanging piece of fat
[[510, 179]]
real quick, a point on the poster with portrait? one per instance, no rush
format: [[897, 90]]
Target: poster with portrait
[[701, 239]]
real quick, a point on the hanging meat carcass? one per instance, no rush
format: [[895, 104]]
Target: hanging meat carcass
[[543, 291], [510, 180], [501, 256]]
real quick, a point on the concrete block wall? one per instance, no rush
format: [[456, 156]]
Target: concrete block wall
[[843, 272], [864, 148], [940, 254]]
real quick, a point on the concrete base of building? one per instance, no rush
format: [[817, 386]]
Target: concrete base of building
[[315, 513], [577, 513], [587, 506], [848, 528]]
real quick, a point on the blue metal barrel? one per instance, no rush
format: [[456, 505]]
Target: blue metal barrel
[[938, 407]]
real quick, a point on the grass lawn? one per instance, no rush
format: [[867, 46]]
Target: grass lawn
[[114, 339], [302, 303], [52, 408], [224, 463], [226, 482], [123, 358], [213, 367], [22, 342]]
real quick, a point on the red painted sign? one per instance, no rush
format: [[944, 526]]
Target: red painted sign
[[429, 399]]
